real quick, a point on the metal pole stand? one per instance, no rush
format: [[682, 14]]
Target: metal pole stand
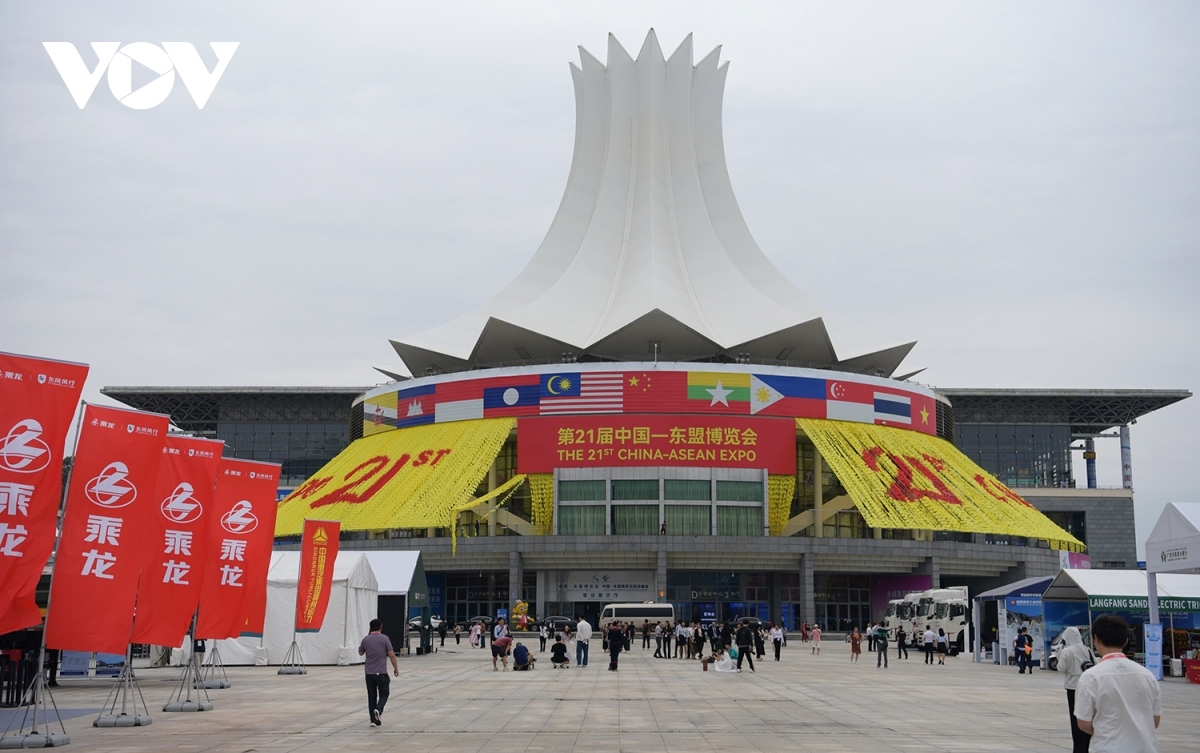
[[129, 693], [214, 677], [36, 712], [293, 662], [181, 698]]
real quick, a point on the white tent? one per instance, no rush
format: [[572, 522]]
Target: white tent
[[352, 605], [1173, 546], [396, 570]]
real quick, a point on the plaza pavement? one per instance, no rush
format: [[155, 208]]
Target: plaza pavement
[[452, 702]]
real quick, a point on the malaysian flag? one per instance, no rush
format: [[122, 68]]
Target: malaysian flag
[[588, 392]]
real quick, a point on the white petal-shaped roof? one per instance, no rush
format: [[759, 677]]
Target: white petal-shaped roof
[[649, 252]]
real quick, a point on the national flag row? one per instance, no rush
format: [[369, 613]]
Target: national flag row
[[595, 392], [155, 526]]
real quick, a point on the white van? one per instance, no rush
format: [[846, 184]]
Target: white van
[[636, 613]]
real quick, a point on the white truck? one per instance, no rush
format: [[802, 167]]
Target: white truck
[[902, 612], [952, 613], [945, 608]]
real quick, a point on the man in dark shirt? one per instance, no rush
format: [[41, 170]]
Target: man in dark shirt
[[901, 642], [377, 647], [558, 653], [881, 646], [521, 658], [745, 641], [1024, 647]]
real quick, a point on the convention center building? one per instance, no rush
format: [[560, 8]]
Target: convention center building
[[650, 411]]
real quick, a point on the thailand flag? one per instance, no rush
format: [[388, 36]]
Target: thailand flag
[[589, 392], [893, 409]]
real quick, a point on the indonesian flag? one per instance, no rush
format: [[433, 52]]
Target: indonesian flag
[[233, 598], [109, 516], [170, 586], [317, 554], [37, 400]]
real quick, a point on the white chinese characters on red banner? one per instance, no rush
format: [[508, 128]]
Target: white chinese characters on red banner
[[241, 531], [170, 585], [104, 540], [37, 401]]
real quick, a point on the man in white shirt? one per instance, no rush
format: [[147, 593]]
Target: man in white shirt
[[583, 634], [929, 639], [1117, 702]]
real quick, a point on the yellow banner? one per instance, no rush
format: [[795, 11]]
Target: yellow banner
[[780, 490], [418, 477], [905, 479]]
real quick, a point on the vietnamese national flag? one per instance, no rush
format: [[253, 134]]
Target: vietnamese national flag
[[318, 551], [38, 398], [170, 585], [241, 531], [106, 528]]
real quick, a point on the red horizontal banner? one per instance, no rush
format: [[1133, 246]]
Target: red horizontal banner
[[655, 440]]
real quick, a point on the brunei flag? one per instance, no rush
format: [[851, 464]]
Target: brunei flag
[[722, 392]]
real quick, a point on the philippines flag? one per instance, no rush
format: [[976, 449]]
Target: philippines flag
[[589, 392], [787, 396]]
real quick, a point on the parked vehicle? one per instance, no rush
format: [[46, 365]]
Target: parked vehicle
[[635, 613], [555, 623], [484, 619], [435, 622]]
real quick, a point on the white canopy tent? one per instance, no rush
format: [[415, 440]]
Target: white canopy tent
[[352, 605], [1173, 546]]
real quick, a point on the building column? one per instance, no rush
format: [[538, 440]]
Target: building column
[[516, 573], [932, 566], [818, 493], [543, 584], [776, 595], [491, 506], [660, 576], [1089, 459], [807, 589], [1126, 461]]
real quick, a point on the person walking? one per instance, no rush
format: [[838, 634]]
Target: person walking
[[816, 640], [442, 634], [1073, 660], [583, 634], [616, 640], [942, 645], [776, 639], [804, 632], [745, 644], [1023, 645], [1118, 702], [474, 636], [930, 640], [871, 636], [760, 644], [901, 641], [881, 646], [457, 634], [855, 640], [658, 636], [500, 631], [646, 633], [543, 634], [698, 638], [377, 648]]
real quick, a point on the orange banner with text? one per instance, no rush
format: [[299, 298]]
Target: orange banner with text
[[317, 554], [37, 400], [553, 442]]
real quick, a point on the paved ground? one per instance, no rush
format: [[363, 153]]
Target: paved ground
[[453, 702]]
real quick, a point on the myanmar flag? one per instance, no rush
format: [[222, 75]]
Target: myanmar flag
[[722, 392]]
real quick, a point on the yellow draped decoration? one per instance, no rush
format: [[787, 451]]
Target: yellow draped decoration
[[418, 477], [541, 492], [503, 493], [780, 490], [905, 479]]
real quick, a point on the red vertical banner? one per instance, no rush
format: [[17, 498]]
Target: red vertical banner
[[37, 400], [233, 597], [170, 585], [105, 530], [318, 551]]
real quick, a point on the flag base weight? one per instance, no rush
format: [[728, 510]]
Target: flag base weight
[[214, 677], [126, 692], [34, 740], [181, 698], [122, 720], [188, 706], [293, 662]]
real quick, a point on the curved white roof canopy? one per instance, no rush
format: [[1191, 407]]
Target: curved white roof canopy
[[649, 245]]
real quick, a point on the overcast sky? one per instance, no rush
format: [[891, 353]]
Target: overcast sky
[[1014, 185]]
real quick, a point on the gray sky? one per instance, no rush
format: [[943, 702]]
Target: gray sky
[[1015, 185]]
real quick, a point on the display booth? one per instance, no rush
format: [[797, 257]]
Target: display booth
[[403, 594], [1076, 597], [1174, 547], [352, 605], [1003, 611]]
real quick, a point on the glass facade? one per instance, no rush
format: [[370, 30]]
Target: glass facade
[[640, 507], [705, 597], [841, 600], [302, 448], [1020, 455], [475, 594]]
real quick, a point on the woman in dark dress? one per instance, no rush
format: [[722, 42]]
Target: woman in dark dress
[[616, 640], [760, 648]]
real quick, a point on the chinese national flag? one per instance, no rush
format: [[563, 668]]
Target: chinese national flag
[[170, 585], [317, 554], [37, 400], [105, 531], [233, 597]]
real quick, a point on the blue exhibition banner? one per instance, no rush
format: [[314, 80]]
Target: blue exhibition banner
[[75, 664], [1154, 648]]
